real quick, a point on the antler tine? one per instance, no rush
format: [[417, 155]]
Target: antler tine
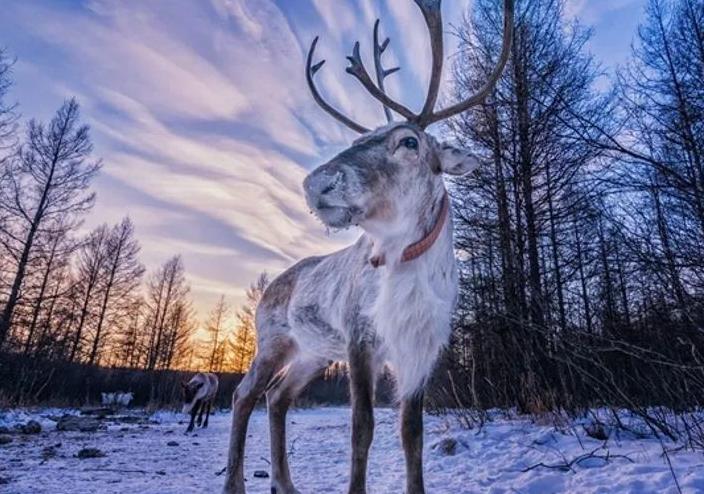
[[381, 73], [488, 86], [432, 13], [311, 70], [358, 70]]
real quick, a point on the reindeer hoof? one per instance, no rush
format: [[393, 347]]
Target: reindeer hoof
[[237, 489]]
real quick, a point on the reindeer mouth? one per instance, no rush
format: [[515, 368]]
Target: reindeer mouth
[[336, 216]]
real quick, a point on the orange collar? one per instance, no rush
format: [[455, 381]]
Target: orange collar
[[420, 247]]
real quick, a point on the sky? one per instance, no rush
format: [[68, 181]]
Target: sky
[[201, 114]]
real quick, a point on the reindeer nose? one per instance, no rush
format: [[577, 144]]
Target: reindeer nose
[[322, 182], [328, 189]]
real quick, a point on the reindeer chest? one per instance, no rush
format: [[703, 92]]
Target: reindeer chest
[[414, 301]]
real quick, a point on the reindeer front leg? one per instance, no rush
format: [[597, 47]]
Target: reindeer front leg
[[194, 412], [412, 438], [362, 396]]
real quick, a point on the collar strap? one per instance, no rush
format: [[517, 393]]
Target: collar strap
[[420, 247]]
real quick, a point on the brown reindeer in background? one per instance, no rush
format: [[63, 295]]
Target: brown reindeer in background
[[387, 299], [198, 396]]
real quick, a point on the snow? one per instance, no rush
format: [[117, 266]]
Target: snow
[[501, 457]]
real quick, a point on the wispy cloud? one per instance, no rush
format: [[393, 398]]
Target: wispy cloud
[[211, 129]]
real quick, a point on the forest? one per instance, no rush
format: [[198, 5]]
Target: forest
[[582, 239], [76, 297]]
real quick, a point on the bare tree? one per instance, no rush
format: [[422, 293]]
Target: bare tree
[[122, 274], [169, 316], [515, 220], [47, 181], [178, 338], [214, 345], [243, 345], [92, 259], [56, 257], [130, 345], [67, 299], [661, 94]]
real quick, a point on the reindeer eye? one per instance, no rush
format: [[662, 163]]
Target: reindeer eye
[[409, 142]]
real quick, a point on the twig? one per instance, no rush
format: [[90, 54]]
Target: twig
[[567, 465], [672, 470], [292, 449], [561, 466], [121, 470], [46, 382]]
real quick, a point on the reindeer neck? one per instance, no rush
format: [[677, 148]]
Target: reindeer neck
[[432, 225]]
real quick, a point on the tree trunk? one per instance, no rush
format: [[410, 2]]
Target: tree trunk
[[104, 304], [526, 168], [582, 279], [40, 298], [555, 249]]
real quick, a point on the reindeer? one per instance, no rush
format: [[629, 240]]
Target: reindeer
[[385, 300], [198, 396]]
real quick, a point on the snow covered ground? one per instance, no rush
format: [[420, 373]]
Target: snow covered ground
[[497, 459]]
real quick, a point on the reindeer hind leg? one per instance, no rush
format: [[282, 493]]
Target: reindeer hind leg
[[279, 398], [207, 413], [199, 422]]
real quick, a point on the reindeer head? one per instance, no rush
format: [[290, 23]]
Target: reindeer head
[[189, 391], [389, 174]]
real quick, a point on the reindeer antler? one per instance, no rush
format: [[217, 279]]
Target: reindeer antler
[[432, 13], [358, 70], [428, 115], [311, 70], [381, 73]]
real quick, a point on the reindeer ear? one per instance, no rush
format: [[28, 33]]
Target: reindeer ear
[[455, 161]]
